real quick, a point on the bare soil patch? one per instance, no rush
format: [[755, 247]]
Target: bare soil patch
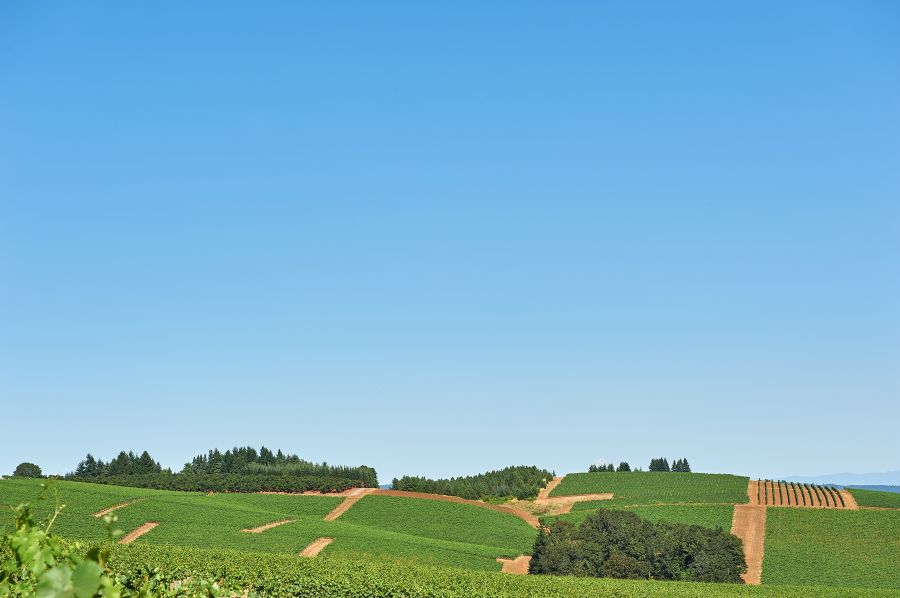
[[516, 566], [316, 547], [137, 533], [262, 528], [352, 497], [749, 524], [544, 492], [849, 501], [109, 510]]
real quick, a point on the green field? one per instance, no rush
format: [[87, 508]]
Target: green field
[[832, 547], [644, 488], [343, 577], [386, 527], [876, 498], [711, 516]]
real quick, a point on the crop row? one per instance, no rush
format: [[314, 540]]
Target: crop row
[[794, 494]]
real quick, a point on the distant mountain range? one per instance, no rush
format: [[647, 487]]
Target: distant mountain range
[[887, 478]]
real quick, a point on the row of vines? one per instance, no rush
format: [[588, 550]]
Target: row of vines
[[781, 493]]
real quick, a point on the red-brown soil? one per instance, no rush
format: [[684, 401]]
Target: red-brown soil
[[137, 533], [316, 547], [544, 492], [108, 510], [262, 528], [749, 524], [352, 497], [516, 566]]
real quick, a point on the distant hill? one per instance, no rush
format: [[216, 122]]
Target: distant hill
[[887, 478], [879, 488]]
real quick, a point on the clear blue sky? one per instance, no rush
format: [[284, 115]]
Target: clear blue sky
[[440, 238]]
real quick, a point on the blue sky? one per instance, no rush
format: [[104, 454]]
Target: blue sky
[[438, 239]]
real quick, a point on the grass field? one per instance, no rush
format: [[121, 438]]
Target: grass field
[[875, 498], [385, 527], [657, 487], [830, 547], [345, 577], [711, 516]]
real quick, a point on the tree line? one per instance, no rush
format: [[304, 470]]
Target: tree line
[[620, 544], [241, 469], [521, 482], [660, 464]]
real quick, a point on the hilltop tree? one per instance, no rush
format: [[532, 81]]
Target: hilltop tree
[[27, 470], [623, 466]]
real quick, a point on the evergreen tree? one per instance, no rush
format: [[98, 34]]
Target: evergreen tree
[[623, 466], [660, 464]]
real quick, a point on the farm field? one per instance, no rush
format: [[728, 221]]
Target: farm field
[[337, 576], [655, 487], [832, 547], [875, 498], [711, 516], [387, 527]]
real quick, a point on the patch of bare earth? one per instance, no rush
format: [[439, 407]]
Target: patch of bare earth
[[109, 510], [262, 528], [516, 566], [849, 501], [749, 524], [137, 533], [544, 492], [352, 497], [316, 547]]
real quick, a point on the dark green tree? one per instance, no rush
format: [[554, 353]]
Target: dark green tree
[[27, 470], [623, 466]]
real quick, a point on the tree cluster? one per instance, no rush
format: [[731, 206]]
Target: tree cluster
[[246, 460], [662, 464], [620, 544], [123, 464], [521, 482], [230, 482], [242, 469], [623, 466]]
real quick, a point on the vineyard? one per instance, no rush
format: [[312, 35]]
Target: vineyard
[[388, 544], [380, 526], [655, 488], [875, 498], [831, 547], [792, 494]]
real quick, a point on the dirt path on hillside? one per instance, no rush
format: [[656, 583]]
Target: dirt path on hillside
[[316, 547], [352, 497], [262, 528], [521, 514], [814, 497], [137, 533], [109, 510], [544, 492], [749, 524], [516, 566]]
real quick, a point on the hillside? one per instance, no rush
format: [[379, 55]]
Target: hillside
[[852, 552]]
